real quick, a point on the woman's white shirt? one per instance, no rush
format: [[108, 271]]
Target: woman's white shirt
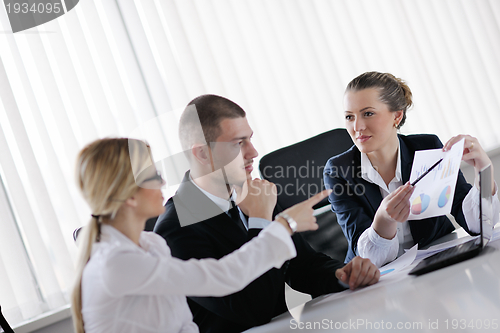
[[129, 288], [380, 250]]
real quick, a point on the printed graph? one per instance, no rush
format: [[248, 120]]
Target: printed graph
[[448, 169], [434, 193], [444, 197], [420, 204], [433, 174]]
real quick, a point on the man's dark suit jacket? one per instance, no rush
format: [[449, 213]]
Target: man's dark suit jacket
[[355, 212], [309, 272]]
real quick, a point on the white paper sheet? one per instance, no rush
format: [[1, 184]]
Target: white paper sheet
[[400, 263], [433, 194]]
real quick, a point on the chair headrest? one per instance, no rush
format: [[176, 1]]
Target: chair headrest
[[297, 170]]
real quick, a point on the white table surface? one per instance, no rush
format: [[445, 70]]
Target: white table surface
[[464, 297]]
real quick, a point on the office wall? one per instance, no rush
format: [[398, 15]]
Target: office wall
[[494, 155]]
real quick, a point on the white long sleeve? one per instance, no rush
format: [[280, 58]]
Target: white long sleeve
[[132, 289], [381, 251], [470, 208], [165, 275], [378, 249]]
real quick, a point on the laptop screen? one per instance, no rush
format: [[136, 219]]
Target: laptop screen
[[485, 205]]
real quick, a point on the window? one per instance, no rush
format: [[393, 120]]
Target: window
[[107, 68]]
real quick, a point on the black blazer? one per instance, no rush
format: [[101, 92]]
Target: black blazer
[[309, 272], [355, 200]]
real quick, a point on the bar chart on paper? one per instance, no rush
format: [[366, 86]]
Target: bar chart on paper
[[450, 168]]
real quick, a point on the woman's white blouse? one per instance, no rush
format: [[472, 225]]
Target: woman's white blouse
[[127, 288], [380, 250]]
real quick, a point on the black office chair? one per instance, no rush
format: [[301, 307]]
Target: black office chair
[[297, 171], [4, 324], [150, 224]]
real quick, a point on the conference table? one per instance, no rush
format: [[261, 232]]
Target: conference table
[[464, 297]]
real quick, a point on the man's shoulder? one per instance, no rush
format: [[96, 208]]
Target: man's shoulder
[[169, 220], [180, 215]]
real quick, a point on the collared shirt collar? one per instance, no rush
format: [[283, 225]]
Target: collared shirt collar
[[223, 204], [371, 175], [111, 234]]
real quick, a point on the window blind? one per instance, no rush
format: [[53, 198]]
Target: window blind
[[128, 67]]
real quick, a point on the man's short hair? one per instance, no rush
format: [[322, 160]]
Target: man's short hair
[[208, 111]]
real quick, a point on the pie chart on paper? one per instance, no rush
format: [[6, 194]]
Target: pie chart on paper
[[420, 204], [444, 197]]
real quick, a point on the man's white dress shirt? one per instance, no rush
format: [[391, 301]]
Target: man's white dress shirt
[[225, 205]]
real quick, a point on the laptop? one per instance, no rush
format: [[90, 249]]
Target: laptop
[[473, 247]]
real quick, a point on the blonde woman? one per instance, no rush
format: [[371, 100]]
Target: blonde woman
[[127, 280]]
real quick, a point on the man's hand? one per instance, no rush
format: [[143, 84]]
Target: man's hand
[[359, 272], [258, 198]]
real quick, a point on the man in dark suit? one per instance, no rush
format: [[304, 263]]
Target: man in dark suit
[[201, 221]]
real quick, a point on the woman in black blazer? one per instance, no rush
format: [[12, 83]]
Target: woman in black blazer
[[370, 181]]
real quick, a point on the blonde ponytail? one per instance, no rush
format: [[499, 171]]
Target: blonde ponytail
[[86, 239]]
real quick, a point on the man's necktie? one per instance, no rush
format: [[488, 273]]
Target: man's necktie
[[234, 214]]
